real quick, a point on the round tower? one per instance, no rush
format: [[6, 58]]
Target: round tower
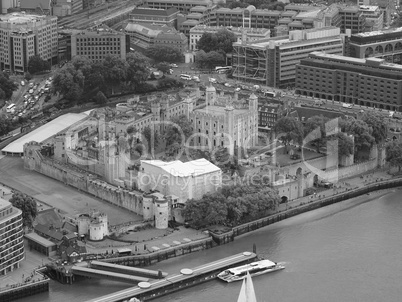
[[161, 212], [83, 224], [147, 208], [102, 219], [96, 231]]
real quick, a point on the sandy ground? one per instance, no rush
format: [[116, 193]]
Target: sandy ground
[[54, 193]]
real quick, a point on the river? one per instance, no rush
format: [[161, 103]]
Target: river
[[350, 251]]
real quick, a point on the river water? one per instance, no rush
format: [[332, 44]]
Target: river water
[[349, 251]]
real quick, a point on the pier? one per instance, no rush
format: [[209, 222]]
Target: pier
[[146, 291], [128, 270]]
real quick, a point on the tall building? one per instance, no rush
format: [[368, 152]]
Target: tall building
[[272, 62], [386, 6], [226, 121], [23, 36], [11, 237], [386, 44], [98, 42], [371, 82]]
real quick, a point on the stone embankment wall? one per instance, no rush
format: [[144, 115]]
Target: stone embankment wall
[[69, 175], [254, 225]]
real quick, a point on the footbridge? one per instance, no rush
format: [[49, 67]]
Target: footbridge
[[95, 273], [127, 270]]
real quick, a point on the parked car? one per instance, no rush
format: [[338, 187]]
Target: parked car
[[295, 156], [171, 65], [237, 89], [22, 83], [196, 79], [228, 85], [212, 80], [31, 91]]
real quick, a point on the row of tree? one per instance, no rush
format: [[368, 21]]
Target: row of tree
[[213, 47], [318, 130], [82, 76], [7, 86], [232, 205]]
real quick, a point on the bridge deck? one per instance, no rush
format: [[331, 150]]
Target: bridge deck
[[178, 278]]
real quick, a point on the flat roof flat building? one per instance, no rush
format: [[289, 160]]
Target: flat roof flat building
[[11, 239], [374, 17], [369, 82], [155, 16], [386, 44], [272, 62], [98, 42], [23, 36], [183, 6]]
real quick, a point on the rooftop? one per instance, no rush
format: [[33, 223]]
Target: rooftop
[[4, 203], [39, 239], [180, 169], [218, 110], [100, 30], [33, 4], [379, 32], [154, 11], [45, 132], [21, 18]]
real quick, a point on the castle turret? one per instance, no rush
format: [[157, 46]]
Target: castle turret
[[188, 106], [210, 95], [230, 140], [161, 212], [147, 207]]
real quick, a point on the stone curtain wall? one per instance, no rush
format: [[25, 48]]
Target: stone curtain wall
[[33, 160]]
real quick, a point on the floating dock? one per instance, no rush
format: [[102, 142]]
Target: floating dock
[[128, 270], [95, 273], [187, 277]]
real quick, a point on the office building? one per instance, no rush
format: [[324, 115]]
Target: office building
[[272, 62], [250, 34], [386, 44], [155, 16], [23, 36], [370, 82], [268, 114], [98, 42], [352, 18], [386, 6], [11, 237], [145, 35], [374, 17], [183, 6]]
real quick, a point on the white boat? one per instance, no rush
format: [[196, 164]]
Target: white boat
[[254, 269]]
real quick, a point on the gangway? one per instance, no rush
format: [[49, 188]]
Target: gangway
[[94, 273], [128, 270]]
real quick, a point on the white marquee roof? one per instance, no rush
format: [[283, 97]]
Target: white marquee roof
[[180, 169], [45, 132]]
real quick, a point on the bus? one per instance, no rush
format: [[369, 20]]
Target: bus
[[224, 69], [11, 108], [186, 77]]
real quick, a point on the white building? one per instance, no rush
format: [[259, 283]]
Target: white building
[[23, 36], [185, 181], [249, 34]]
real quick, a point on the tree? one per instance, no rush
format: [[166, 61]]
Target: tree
[[164, 67], [28, 76], [345, 144], [378, 125], [100, 98], [167, 83], [209, 60], [138, 68], [5, 125], [361, 133], [37, 64], [28, 207], [6, 85], [394, 154], [287, 129], [69, 82], [161, 53], [181, 127], [221, 41], [314, 131], [115, 69]]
